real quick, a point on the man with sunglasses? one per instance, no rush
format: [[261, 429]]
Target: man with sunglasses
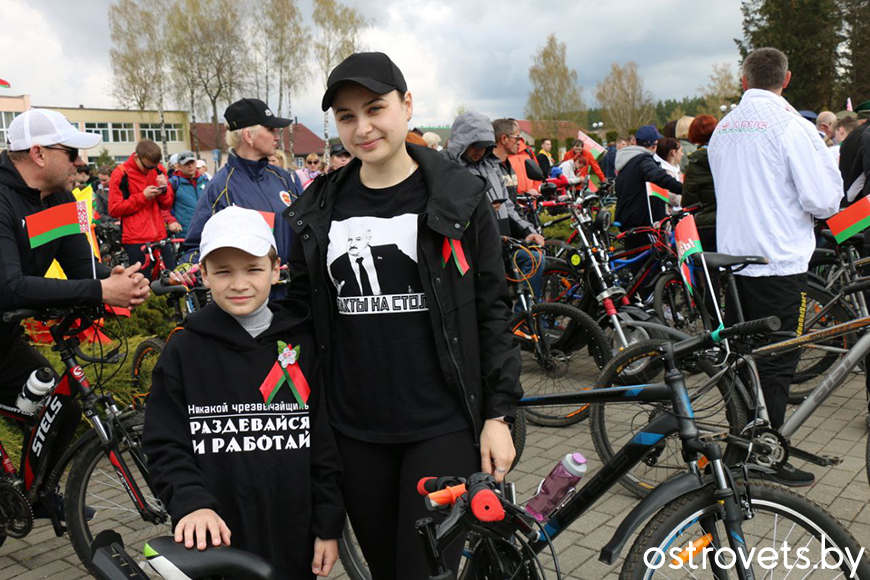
[[140, 195], [34, 175]]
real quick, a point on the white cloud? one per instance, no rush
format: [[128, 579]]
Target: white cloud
[[43, 67]]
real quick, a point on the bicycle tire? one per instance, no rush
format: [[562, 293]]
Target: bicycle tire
[[809, 519], [559, 369], [146, 356], [614, 424], [812, 364], [93, 483], [669, 304]]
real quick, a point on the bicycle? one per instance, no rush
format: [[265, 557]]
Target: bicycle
[[732, 395], [112, 252], [106, 469], [172, 560], [703, 507], [551, 338]]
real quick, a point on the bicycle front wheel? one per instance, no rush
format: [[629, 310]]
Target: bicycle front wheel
[[782, 518], [562, 351], [144, 360], [94, 486], [717, 406]]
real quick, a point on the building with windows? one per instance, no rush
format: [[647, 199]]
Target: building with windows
[[120, 129]]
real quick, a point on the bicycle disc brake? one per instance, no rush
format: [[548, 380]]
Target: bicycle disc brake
[[16, 515], [777, 455]]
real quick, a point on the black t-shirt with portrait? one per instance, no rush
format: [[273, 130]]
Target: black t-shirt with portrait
[[388, 384]]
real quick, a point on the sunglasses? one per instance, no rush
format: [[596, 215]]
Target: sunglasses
[[73, 154], [313, 162]]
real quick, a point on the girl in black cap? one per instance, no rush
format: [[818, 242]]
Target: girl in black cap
[[399, 256]]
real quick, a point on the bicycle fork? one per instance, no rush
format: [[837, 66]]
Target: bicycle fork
[[730, 508]]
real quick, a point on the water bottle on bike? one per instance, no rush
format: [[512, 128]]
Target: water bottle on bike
[[38, 384], [553, 489]]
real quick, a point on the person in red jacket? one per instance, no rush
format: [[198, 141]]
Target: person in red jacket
[[583, 160], [140, 195]]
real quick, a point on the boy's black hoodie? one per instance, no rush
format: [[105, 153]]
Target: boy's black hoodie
[[212, 443]]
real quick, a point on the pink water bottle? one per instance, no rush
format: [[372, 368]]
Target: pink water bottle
[[555, 486]]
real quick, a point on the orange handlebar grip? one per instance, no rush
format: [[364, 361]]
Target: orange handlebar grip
[[445, 497]]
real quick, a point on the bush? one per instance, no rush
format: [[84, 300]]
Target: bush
[[153, 318], [612, 136]]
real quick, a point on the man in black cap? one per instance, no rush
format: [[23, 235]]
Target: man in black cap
[[247, 180], [338, 157]]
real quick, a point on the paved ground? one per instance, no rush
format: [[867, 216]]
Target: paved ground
[[838, 428]]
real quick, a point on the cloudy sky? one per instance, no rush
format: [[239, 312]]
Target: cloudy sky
[[453, 53]]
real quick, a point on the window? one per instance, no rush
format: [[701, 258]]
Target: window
[[5, 121], [112, 132], [174, 132]]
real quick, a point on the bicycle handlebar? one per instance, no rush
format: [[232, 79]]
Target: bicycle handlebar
[[761, 326]]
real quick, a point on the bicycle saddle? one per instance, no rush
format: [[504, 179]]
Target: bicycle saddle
[[168, 557], [716, 261]]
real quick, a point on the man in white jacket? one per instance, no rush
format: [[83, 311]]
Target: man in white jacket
[[773, 175]]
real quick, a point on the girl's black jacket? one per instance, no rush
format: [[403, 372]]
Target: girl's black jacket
[[469, 313], [271, 473]]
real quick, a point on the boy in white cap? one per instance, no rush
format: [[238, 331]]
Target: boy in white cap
[[235, 446]]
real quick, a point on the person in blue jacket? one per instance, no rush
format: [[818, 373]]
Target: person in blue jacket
[[188, 189], [247, 180]]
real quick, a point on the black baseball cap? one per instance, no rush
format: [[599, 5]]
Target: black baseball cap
[[250, 112], [338, 149], [373, 70]]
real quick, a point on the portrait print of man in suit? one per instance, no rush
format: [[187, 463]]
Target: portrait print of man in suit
[[367, 270]]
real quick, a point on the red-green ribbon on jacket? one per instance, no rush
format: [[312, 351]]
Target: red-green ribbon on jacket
[[453, 248], [286, 370]]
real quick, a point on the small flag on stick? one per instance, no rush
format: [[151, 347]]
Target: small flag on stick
[[56, 222], [852, 220], [653, 190]]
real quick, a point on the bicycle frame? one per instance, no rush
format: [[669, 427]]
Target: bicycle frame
[[833, 379], [680, 422]]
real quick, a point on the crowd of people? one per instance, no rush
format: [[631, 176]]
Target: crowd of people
[[393, 329]]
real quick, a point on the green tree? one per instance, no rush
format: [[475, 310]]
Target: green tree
[[855, 82], [723, 89], [104, 159], [809, 32], [555, 94]]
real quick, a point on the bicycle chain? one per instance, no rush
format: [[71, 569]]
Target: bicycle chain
[[16, 514]]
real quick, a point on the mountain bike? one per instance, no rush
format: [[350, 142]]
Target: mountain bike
[[731, 400], [172, 560], [105, 470], [552, 338], [112, 252], [706, 506]]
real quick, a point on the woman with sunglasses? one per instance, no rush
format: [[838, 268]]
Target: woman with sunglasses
[[423, 374], [311, 170]]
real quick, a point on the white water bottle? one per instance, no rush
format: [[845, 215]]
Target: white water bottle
[[40, 382]]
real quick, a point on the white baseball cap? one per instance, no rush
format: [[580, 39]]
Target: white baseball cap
[[236, 227], [47, 127]]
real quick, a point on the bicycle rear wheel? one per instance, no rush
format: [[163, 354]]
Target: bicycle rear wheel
[[144, 360], [553, 358], [814, 361], [718, 408], [781, 517], [673, 307], [93, 484]]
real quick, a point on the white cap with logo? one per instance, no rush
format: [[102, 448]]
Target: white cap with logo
[[236, 227], [46, 127]]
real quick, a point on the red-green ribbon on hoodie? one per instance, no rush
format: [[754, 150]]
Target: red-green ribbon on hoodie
[[286, 370]]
